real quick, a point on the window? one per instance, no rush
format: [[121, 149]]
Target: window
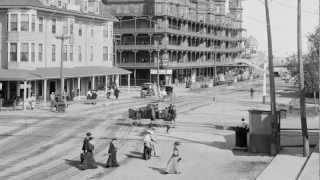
[[71, 28], [53, 53], [92, 32], [65, 28], [25, 22], [91, 53], [111, 31], [53, 28], [80, 54], [24, 52], [59, 3], [33, 53], [80, 30], [71, 53], [14, 22], [40, 24], [105, 31], [105, 53], [40, 50], [33, 23], [13, 52], [65, 53]]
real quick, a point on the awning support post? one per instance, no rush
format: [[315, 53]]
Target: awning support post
[[128, 82], [79, 88], [45, 92], [24, 95], [93, 83]]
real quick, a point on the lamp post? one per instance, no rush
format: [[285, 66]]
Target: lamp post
[[62, 38]]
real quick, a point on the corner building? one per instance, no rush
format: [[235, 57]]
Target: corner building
[[31, 51], [193, 39]]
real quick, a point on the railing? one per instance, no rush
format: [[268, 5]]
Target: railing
[[176, 47]]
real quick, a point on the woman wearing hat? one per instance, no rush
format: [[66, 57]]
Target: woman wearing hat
[[173, 163], [112, 152], [89, 161]]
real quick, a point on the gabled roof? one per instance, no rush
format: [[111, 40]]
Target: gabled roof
[[40, 6]]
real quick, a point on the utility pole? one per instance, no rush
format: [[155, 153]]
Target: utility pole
[[319, 85], [274, 149], [302, 88], [62, 38]]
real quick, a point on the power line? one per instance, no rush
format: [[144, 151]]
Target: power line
[[294, 7]]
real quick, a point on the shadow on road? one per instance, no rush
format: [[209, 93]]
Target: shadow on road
[[135, 154], [160, 170], [74, 163]]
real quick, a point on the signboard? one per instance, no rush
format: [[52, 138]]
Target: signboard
[[0, 86], [22, 86], [161, 71]]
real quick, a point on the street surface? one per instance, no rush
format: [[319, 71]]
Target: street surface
[[40, 144]]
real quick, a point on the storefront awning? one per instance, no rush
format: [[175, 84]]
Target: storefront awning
[[54, 73], [17, 75]]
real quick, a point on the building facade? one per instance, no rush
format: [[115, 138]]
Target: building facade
[[37, 35], [192, 39]]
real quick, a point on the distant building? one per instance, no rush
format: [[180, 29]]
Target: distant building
[[193, 38], [31, 51]]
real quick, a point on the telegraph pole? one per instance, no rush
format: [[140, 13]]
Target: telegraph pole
[[302, 87], [319, 85], [274, 149], [62, 38]]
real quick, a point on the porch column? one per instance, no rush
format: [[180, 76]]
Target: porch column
[[106, 81], [93, 83], [45, 92], [35, 88], [8, 90], [128, 82], [117, 80], [79, 88], [24, 95]]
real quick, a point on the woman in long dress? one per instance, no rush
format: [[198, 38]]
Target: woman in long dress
[[173, 163], [112, 160], [89, 161]]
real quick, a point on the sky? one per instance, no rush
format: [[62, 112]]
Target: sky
[[283, 17]]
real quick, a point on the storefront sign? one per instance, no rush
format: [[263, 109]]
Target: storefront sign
[[0, 86], [22, 86], [161, 71]]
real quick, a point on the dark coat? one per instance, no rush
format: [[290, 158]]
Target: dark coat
[[112, 160]]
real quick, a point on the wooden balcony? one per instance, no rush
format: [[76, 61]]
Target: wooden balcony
[[148, 47], [176, 65], [177, 32]]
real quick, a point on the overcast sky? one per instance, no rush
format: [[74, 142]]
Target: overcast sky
[[283, 14]]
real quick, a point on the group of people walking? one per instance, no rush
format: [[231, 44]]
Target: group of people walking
[[87, 156], [150, 148]]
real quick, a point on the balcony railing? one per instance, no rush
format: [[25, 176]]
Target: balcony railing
[[199, 63], [148, 47], [178, 31]]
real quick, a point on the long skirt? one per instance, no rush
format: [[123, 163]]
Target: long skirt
[[146, 152], [173, 166], [89, 161], [112, 160]]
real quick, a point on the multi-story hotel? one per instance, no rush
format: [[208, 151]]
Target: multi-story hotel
[[192, 38], [32, 47]]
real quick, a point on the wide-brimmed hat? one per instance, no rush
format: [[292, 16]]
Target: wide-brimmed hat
[[113, 139], [177, 143], [149, 131], [88, 134]]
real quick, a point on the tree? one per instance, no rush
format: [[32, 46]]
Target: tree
[[311, 63]]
